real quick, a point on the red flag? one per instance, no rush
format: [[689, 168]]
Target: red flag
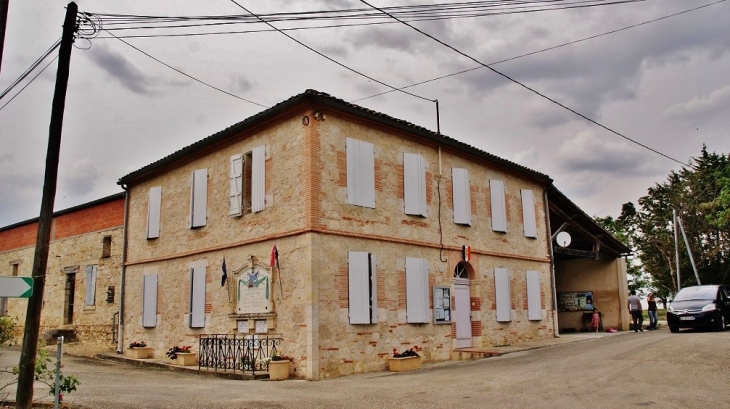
[[274, 260]]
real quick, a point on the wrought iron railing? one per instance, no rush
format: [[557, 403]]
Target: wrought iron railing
[[236, 352]]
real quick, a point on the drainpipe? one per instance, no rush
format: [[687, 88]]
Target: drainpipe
[[120, 329], [552, 265]]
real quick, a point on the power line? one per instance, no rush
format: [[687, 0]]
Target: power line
[[332, 59], [527, 87], [545, 49], [30, 69], [29, 82], [187, 75]]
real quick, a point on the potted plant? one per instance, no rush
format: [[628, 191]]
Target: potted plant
[[182, 355], [407, 360], [279, 367], [138, 350]]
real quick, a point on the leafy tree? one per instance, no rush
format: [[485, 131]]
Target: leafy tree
[[700, 194]]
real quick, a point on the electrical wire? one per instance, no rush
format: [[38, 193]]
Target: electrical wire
[[332, 59], [187, 75], [29, 82], [30, 69], [544, 49], [528, 88]]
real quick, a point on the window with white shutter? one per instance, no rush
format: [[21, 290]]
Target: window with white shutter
[[149, 301], [414, 184], [199, 198], [502, 295], [417, 311], [499, 210], [236, 186], [534, 296], [90, 283], [258, 179], [528, 213], [360, 173], [362, 286], [462, 196], [154, 201], [197, 297]]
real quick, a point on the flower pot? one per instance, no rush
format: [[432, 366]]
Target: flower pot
[[279, 370], [186, 358], [404, 364], [138, 353]]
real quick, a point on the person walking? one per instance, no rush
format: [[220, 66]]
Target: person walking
[[652, 311], [637, 315]]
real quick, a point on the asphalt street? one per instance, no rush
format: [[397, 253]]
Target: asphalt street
[[648, 369]]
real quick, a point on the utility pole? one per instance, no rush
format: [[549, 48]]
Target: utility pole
[[24, 395], [3, 22]]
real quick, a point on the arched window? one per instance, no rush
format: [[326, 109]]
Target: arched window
[[460, 271]]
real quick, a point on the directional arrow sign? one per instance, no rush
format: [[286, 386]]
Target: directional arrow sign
[[16, 287]]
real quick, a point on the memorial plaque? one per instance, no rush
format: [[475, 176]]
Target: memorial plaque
[[253, 291]]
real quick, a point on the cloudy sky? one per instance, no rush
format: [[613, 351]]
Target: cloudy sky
[[663, 84]]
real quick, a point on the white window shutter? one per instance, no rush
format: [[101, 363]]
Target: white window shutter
[[236, 186], [360, 173], [199, 198], [197, 297], [149, 301], [499, 210], [361, 286], [373, 278], [528, 213], [534, 296], [90, 290], [258, 179], [461, 195], [417, 311], [154, 202], [502, 294], [414, 184]]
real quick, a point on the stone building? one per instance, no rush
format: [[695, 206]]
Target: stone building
[[388, 235], [81, 294]]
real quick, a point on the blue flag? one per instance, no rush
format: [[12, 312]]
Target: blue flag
[[224, 277]]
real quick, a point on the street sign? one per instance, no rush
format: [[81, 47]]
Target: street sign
[[16, 287]]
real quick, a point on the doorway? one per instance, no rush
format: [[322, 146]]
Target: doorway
[[68, 302], [462, 303]]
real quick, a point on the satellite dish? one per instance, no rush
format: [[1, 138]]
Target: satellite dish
[[563, 239]]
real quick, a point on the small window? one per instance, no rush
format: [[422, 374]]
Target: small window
[[154, 202], [461, 196], [106, 247], [360, 173], [499, 209], [110, 294], [15, 269], [529, 221], [414, 184], [460, 271], [362, 288], [199, 198], [253, 183], [90, 283], [149, 301], [502, 296]]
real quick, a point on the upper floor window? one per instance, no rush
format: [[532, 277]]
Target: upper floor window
[[154, 202], [248, 182], [499, 209], [461, 196], [199, 198], [414, 184], [362, 288], [360, 173], [529, 222], [106, 247]]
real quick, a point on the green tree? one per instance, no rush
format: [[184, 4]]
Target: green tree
[[700, 194]]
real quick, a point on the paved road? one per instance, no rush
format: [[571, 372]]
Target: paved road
[[649, 369]]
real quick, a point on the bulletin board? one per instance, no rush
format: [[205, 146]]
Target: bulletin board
[[441, 305], [575, 301]]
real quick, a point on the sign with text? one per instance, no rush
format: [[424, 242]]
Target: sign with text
[[253, 291], [16, 287]]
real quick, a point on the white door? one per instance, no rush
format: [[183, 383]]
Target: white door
[[463, 313]]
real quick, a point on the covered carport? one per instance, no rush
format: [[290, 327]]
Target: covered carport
[[589, 268]]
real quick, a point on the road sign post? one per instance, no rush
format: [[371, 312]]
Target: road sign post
[[16, 287]]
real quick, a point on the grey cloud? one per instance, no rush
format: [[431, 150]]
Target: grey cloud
[[240, 84], [701, 109], [81, 178], [120, 69], [587, 152]]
